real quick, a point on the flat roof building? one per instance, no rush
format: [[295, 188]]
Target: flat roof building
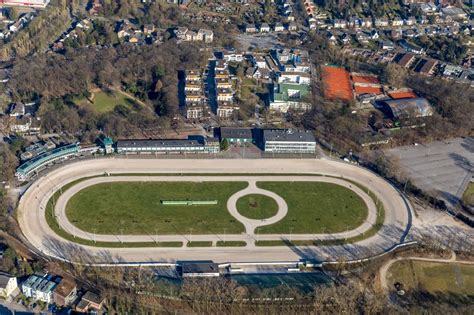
[[288, 141], [39, 288], [166, 146], [237, 135], [200, 269]]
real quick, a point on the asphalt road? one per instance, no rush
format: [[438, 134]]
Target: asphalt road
[[33, 223]]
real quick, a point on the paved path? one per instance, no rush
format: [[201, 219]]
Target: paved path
[[33, 223], [252, 224]]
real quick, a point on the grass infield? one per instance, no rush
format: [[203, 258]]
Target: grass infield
[[316, 207], [256, 206], [135, 208]]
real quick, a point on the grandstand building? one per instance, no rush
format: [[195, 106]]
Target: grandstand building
[[36, 164], [168, 146], [25, 3]]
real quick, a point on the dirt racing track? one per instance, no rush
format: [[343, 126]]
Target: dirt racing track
[[33, 223]]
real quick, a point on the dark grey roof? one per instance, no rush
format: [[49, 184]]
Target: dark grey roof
[[92, 297], [208, 267], [288, 135], [157, 143], [4, 278], [236, 133]]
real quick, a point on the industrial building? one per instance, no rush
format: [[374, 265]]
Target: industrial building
[[288, 141]]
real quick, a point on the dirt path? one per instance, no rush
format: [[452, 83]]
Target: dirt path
[[383, 273]]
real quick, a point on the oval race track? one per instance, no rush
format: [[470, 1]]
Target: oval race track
[[33, 223]]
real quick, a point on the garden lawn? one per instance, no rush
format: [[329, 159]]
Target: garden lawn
[[256, 206], [315, 207], [135, 208]]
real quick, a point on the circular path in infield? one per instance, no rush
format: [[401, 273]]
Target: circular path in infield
[[252, 224], [31, 211]]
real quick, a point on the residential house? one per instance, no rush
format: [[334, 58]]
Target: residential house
[[427, 67], [194, 110], [250, 28], [411, 47], [405, 60], [224, 94], [233, 56], [90, 302], [366, 23], [362, 37], [339, 23], [381, 22], [264, 28], [180, 33], [17, 109], [65, 292], [8, 284], [387, 45], [278, 27], [206, 35], [292, 27], [374, 35], [39, 288], [148, 29], [260, 62], [226, 109], [410, 21], [397, 21]]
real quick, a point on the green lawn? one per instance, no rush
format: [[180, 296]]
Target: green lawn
[[433, 277], [257, 206], [315, 207], [135, 208], [106, 101], [468, 196], [231, 244]]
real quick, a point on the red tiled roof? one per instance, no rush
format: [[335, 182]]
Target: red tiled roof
[[367, 90], [370, 79], [402, 94]]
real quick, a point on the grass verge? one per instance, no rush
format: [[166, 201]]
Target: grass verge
[[199, 244], [231, 244]]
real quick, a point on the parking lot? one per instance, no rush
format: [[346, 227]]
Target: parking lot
[[443, 166]]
